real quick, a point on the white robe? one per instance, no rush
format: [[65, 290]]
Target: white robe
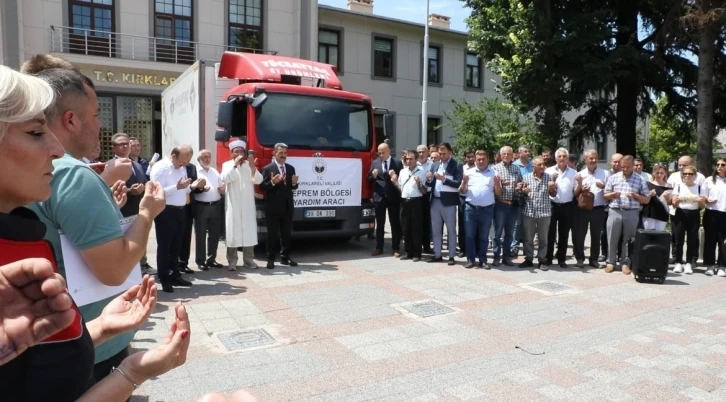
[[240, 214]]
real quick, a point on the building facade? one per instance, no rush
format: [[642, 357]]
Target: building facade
[[133, 49]]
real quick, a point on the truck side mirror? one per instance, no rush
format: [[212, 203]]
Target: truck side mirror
[[231, 119], [387, 125]]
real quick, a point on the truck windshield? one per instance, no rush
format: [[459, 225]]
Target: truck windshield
[[314, 123]]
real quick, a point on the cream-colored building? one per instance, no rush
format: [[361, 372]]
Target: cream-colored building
[[133, 49]]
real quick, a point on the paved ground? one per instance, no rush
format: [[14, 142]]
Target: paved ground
[[343, 327]]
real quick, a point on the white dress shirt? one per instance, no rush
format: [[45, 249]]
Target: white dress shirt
[[211, 176], [591, 179], [688, 196], [716, 191], [676, 178], [565, 184], [168, 176], [409, 187], [480, 187]]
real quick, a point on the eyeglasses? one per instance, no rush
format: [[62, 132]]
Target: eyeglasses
[[687, 174], [122, 144], [721, 164]]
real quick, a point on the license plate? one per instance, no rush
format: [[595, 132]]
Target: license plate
[[320, 213]]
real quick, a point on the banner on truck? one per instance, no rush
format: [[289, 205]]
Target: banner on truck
[[327, 182]]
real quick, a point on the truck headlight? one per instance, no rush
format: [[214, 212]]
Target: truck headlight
[[368, 212]]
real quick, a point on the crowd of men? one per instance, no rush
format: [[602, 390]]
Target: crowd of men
[[544, 198]]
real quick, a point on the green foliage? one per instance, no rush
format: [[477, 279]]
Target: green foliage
[[670, 136], [489, 125]]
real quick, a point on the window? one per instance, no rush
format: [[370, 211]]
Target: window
[[602, 147], [245, 25], [173, 21], [434, 60], [473, 71], [433, 130], [92, 23], [383, 57], [378, 127], [329, 47]]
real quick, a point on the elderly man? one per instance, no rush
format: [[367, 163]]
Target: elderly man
[[425, 163], [279, 182], [563, 207], [525, 168], [479, 186], [615, 160], [506, 208], [386, 198], [675, 179], [590, 180], [240, 175], [411, 185], [207, 213], [171, 173], [626, 191], [537, 188]]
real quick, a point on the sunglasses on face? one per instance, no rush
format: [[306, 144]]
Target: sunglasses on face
[[721, 164], [687, 174]]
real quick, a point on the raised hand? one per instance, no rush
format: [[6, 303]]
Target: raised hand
[[439, 176], [137, 189], [222, 188], [429, 176], [375, 173], [526, 190], [294, 179], [33, 305], [465, 179], [119, 193], [552, 185], [183, 183], [154, 199], [131, 309], [418, 181], [276, 179], [239, 161], [497, 181], [200, 183], [578, 178]]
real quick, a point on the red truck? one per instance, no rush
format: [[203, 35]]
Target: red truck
[[329, 133]]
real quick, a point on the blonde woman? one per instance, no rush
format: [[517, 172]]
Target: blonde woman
[[655, 214], [688, 198]]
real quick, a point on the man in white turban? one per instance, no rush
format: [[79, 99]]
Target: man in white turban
[[240, 176]]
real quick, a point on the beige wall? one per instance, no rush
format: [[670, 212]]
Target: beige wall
[[403, 96]]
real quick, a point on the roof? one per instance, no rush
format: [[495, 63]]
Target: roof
[[269, 68], [391, 20]]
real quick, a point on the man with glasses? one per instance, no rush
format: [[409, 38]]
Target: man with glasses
[[675, 179], [136, 183]]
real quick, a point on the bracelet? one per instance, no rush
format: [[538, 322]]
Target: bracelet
[[124, 376]]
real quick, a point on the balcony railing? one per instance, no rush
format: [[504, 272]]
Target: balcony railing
[[92, 42]]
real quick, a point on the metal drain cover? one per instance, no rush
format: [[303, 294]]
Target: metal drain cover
[[240, 340], [427, 309], [549, 287]]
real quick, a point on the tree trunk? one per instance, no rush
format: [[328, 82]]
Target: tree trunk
[[627, 88], [704, 123]]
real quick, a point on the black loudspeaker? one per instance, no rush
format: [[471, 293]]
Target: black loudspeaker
[[650, 254]]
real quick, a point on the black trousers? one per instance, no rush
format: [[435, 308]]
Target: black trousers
[[584, 219], [169, 226], [674, 223], [426, 220], [207, 229], [186, 245], [461, 226], [714, 228], [393, 206], [560, 225], [412, 225], [103, 369], [687, 225], [279, 232]]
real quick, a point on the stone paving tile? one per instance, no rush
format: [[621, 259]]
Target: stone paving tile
[[343, 340]]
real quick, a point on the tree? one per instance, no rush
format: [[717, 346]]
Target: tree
[[670, 135], [556, 56], [489, 125]]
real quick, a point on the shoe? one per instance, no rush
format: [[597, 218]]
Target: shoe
[[287, 261], [396, 253], [580, 264], [404, 258], [543, 267], [602, 258], [451, 261], [165, 287], [687, 269], [514, 253], [148, 269], [625, 269], [496, 262], [435, 259], [710, 271], [678, 268], [376, 252], [203, 267], [469, 265], [609, 268], [251, 265], [428, 250], [672, 260], [185, 269], [232, 268], [721, 272], [270, 264], [484, 265], [526, 264], [416, 259], [508, 262], [562, 265], [179, 281], [594, 264], [215, 264]]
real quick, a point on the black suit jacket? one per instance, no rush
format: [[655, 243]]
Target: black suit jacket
[[453, 169], [382, 186], [132, 204], [278, 197]]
